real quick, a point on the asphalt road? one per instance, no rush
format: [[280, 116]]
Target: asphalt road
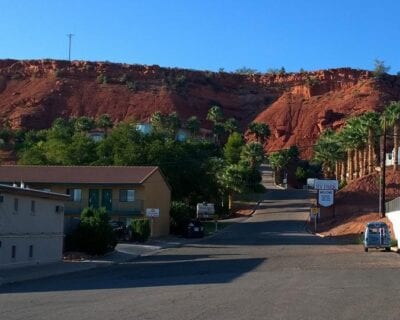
[[267, 267]]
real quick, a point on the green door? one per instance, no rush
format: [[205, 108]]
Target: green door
[[94, 197], [106, 199]]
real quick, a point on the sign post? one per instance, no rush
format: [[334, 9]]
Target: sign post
[[314, 214], [152, 213]]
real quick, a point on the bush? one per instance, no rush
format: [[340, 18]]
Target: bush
[[140, 229], [180, 213], [102, 79], [94, 234]]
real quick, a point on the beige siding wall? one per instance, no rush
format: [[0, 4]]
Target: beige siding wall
[[158, 195], [22, 228]]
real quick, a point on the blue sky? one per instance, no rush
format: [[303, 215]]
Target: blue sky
[[206, 34]]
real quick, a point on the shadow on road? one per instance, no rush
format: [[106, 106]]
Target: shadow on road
[[148, 272]]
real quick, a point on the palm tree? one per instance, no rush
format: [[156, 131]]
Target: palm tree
[[84, 124], [231, 125], [353, 138], [193, 124], [253, 153], [157, 120], [173, 123], [260, 131], [215, 114], [391, 115], [105, 122], [279, 160], [370, 120], [328, 151], [232, 179]]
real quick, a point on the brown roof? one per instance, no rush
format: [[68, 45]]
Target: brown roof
[[75, 174], [33, 193]]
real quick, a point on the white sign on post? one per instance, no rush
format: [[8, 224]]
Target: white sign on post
[[153, 212], [325, 197], [326, 184]]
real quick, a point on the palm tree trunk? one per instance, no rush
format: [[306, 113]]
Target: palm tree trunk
[[365, 164], [337, 170], [371, 163], [350, 163], [361, 162], [356, 163], [396, 145], [230, 201], [343, 176]]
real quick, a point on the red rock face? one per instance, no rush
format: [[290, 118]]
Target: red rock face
[[297, 107]]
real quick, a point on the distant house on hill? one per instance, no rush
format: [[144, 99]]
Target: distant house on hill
[[125, 192], [31, 226]]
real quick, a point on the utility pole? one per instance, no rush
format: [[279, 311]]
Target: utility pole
[[69, 35], [382, 172]]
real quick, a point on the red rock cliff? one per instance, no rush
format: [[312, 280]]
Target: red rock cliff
[[297, 106]]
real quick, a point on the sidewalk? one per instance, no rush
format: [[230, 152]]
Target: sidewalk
[[124, 252]]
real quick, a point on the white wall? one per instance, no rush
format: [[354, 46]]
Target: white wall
[[42, 229], [394, 217]]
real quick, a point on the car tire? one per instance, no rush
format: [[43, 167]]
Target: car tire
[[366, 249], [387, 249]]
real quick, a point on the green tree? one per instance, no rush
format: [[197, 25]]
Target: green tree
[[193, 124], [233, 148], [253, 154], [380, 69], [104, 122], [215, 114], [370, 121], [84, 124], [173, 123], [231, 125], [328, 151], [232, 179], [260, 131], [94, 234]]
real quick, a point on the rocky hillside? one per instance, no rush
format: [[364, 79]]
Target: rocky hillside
[[297, 107]]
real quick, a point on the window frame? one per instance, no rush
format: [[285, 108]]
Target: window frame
[[72, 192], [124, 195]]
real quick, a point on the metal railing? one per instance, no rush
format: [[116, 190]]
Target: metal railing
[[393, 205], [117, 208]]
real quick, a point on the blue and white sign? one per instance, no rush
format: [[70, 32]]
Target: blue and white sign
[[326, 184], [325, 197]]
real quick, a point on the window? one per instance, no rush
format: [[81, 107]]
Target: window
[[15, 204], [126, 195], [75, 194], [13, 252], [31, 251], [33, 206]]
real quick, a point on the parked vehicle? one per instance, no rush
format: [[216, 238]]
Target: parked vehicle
[[377, 236], [121, 231], [194, 229]]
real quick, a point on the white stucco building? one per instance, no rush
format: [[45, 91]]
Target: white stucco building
[[31, 226]]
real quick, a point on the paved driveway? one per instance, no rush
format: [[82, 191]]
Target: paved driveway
[[267, 267]]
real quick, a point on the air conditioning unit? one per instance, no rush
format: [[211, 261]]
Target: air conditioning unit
[[59, 209]]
